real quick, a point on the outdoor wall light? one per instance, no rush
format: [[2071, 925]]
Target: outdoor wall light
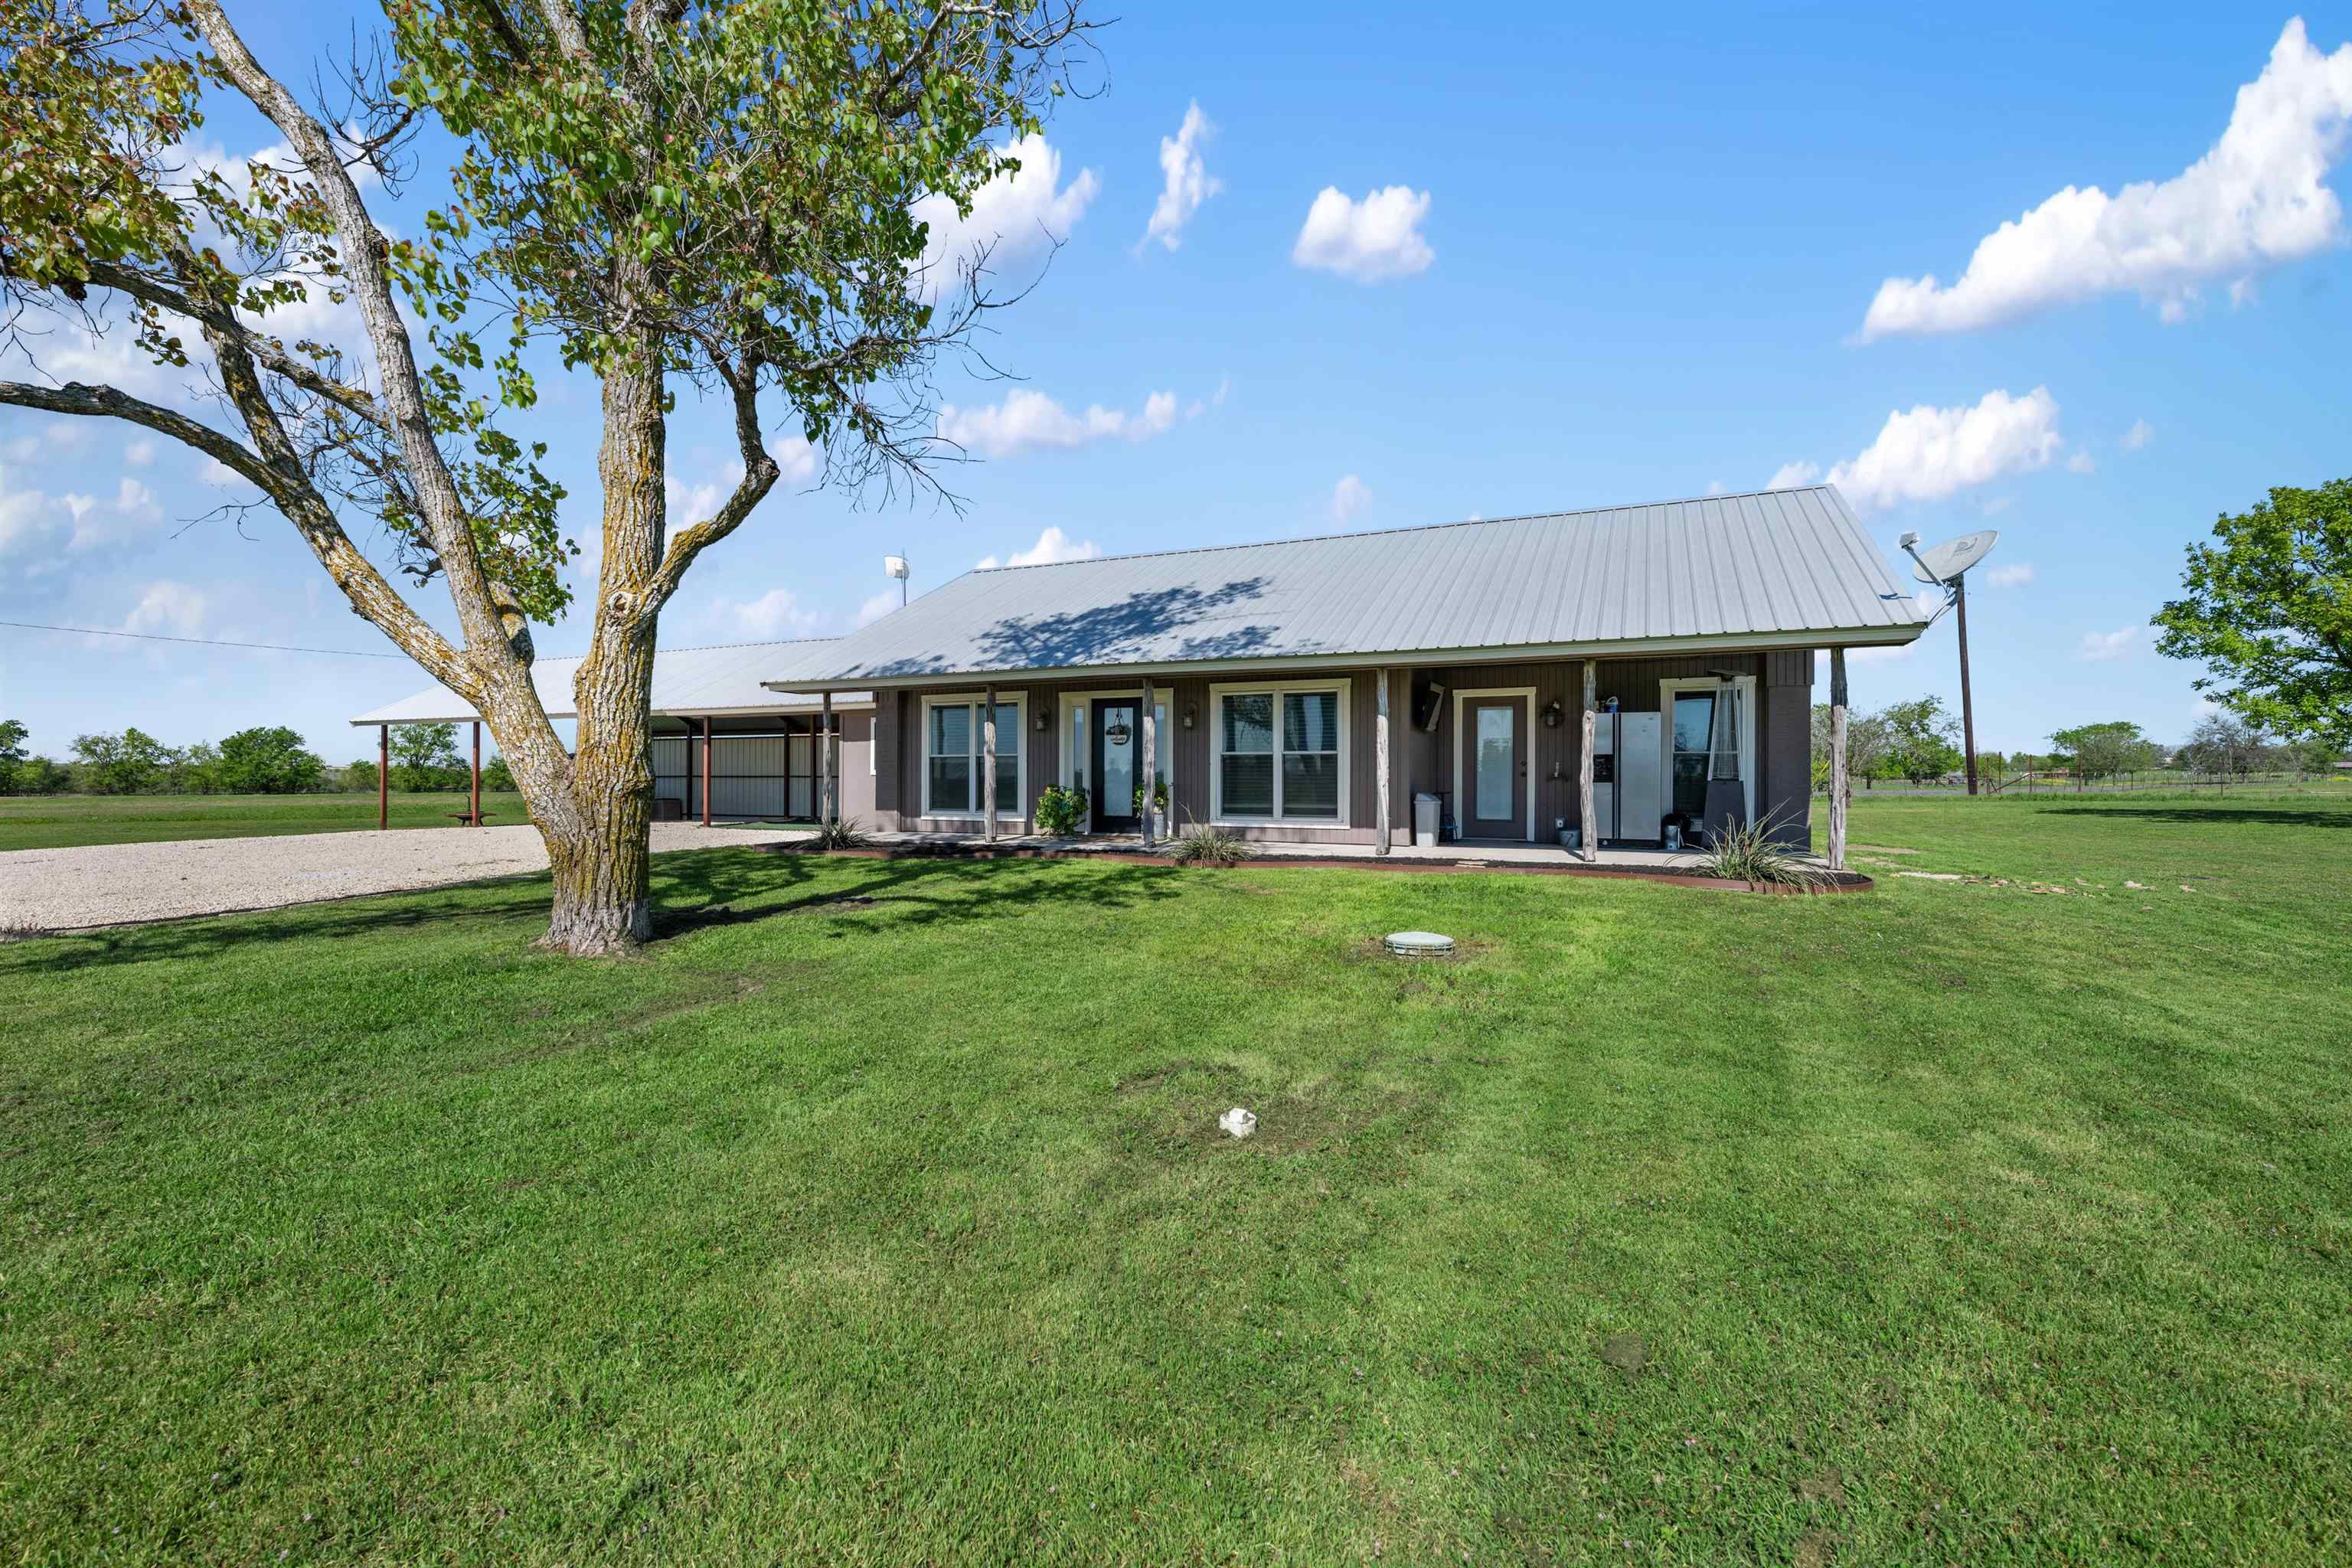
[[1190, 714], [1045, 721], [1551, 714]]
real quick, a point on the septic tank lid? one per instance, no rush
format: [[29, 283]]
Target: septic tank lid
[[1419, 944]]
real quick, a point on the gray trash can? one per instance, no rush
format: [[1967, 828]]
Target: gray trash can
[[1426, 810]]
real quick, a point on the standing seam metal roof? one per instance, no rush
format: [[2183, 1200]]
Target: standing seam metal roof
[[721, 680], [1778, 563]]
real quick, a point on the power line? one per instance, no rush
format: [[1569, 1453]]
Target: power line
[[205, 642]]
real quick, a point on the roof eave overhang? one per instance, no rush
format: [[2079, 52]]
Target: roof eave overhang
[[764, 710], [1634, 648]]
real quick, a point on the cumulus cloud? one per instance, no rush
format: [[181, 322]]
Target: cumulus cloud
[[1028, 421], [697, 503], [1010, 216], [1187, 183], [1930, 453], [1371, 241], [169, 607], [1349, 496], [875, 608], [23, 514], [774, 613], [2082, 462], [2015, 575], [1053, 545], [798, 461], [2256, 199], [139, 453], [2139, 435], [2100, 647]]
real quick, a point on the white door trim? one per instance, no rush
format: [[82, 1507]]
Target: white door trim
[[1666, 690], [1526, 696]]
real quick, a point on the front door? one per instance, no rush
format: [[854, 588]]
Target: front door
[[1493, 767], [1117, 744]]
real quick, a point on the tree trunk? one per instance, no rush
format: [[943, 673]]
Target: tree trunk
[[600, 843]]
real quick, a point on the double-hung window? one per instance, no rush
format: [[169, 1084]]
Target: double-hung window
[[955, 755], [1280, 755]]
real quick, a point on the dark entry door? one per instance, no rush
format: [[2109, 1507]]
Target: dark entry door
[[1117, 745], [1493, 767]]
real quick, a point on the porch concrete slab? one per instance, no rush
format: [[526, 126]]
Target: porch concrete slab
[[1468, 855]]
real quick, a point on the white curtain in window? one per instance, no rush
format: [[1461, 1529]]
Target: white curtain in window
[[1726, 744]]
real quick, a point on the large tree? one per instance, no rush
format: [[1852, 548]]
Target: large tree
[[711, 199], [2268, 609]]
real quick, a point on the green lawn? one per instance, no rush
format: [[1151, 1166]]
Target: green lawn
[[51, 822], [878, 1216]]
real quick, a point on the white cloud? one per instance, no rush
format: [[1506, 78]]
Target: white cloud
[[139, 453], [219, 474], [774, 613], [1717, 488], [2015, 575], [2138, 436], [1996, 505], [798, 460], [691, 504], [2257, 198], [1052, 546], [2099, 646], [23, 514], [1349, 496], [168, 607], [1369, 241], [1188, 181], [875, 608], [2082, 462], [1013, 213], [1028, 420], [1930, 453]]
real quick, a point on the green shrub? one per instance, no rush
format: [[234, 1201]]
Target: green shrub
[[1061, 810], [1202, 844], [1747, 852], [846, 834]]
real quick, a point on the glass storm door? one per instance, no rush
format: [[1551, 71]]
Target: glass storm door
[[1494, 768], [1118, 748], [1694, 750]]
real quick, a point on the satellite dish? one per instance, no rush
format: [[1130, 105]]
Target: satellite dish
[[895, 566], [1942, 562]]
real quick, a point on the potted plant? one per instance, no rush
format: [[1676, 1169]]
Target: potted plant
[[1062, 810], [1158, 805]]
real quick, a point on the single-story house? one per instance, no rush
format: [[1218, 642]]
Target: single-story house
[[1315, 690], [1346, 689]]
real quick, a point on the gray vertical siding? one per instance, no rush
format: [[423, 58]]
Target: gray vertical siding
[[1419, 761]]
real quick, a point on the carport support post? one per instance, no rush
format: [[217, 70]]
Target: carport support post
[[384, 775], [1150, 720], [1837, 759], [988, 764], [473, 790], [706, 770], [824, 762], [1590, 829], [1380, 754]]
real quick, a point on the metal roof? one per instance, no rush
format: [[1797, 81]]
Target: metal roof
[[1776, 568], [687, 680]]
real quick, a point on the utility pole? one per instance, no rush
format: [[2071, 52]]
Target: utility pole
[[1968, 707]]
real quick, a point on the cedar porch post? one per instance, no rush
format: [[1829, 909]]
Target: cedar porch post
[[384, 775], [824, 762], [473, 793], [1837, 759], [1381, 755], [988, 765], [1592, 834], [1149, 719], [706, 769]]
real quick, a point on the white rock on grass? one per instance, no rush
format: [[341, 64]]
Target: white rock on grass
[[1237, 1122]]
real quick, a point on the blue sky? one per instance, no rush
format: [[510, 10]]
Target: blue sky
[[1562, 263]]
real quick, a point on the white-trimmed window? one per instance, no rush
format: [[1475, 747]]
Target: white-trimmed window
[[955, 752], [1710, 737], [1280, 754]]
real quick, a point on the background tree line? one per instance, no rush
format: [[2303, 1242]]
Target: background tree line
[[264, 760], [1917, 743]]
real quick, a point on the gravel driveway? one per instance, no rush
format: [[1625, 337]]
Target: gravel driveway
[[122, 884]]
